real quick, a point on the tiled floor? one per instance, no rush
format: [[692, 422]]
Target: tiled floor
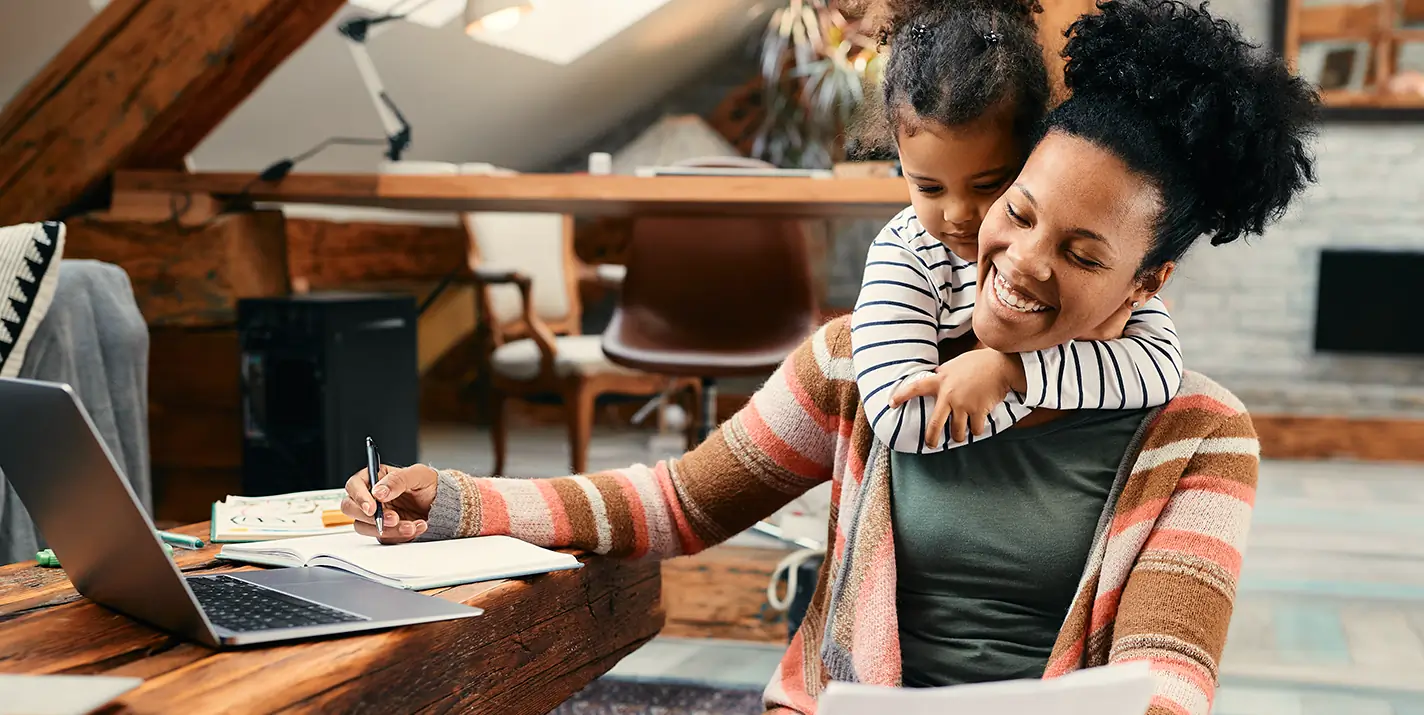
[[1330, 613], [1329, 617]]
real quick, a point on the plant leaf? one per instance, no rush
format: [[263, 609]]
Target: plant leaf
[[812, 27]]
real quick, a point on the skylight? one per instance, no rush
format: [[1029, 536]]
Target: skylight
[[557, 31], [561, 31]]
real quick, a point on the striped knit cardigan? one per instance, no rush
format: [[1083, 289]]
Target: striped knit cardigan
[[1158, 584]]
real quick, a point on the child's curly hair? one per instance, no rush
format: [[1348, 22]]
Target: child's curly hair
[[952, 62]]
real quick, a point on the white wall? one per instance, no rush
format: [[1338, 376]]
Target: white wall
[[466, 101], [31, 32]]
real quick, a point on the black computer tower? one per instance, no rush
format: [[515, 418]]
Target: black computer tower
[[320, 373]]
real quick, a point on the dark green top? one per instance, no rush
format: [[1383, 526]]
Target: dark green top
[[991, 540]]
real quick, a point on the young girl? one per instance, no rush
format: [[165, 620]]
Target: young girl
[[964, 92]]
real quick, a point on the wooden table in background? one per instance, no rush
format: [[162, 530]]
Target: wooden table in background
[[540, 641], [578, 194]]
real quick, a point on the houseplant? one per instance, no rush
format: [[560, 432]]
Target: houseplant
[[815, 67]]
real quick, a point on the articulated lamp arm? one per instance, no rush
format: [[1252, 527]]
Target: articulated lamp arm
[[397, 128]]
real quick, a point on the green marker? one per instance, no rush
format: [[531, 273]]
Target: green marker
[[187, 542]]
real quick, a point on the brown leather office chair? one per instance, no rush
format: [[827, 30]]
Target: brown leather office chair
[[710, 297]]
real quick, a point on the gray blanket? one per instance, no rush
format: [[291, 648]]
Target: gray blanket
[[95, 339]]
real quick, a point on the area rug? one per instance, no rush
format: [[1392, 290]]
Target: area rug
[[618, 697]]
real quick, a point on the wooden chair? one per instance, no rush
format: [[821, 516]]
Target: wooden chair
[[527, 301], [713, 296]]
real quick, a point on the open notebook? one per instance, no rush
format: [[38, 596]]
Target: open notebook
[[417, 566]]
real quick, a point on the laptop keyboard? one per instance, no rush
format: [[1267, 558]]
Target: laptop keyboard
[[241, 606]]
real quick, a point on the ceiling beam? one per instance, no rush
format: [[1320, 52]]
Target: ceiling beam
[[139, 87]]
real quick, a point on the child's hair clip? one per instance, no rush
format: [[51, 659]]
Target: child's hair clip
[[992, 38]]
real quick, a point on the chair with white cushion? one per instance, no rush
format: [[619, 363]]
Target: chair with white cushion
[[527, 299]]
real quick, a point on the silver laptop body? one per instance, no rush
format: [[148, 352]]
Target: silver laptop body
[[51, 453]]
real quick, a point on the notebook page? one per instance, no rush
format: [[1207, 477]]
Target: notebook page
[[300, 550], [453, 559]]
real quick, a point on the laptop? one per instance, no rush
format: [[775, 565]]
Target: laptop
[[87, 512]]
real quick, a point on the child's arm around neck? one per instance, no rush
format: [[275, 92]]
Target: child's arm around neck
[[915, 293], [1140, 368]]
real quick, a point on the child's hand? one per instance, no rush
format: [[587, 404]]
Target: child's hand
[[965, 390]]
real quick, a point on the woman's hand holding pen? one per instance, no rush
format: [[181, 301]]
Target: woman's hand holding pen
[[405, 494]]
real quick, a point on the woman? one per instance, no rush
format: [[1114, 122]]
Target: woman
[[1108, 536]]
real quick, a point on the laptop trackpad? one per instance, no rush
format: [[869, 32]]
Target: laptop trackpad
[[286, 577], [352, 593]]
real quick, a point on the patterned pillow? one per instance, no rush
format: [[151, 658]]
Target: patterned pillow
[[29, 269]]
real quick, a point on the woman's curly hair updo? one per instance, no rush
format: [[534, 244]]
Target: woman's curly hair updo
[[1221, 126]]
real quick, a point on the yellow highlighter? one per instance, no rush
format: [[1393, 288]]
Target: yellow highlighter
[[334, 517]]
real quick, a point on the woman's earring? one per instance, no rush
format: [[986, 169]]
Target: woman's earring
[[1135, 304]]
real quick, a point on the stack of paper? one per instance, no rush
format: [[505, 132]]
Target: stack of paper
[[239, 519], [1112, 690]]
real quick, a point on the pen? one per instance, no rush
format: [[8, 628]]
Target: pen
[[373, 471], [187, 542]]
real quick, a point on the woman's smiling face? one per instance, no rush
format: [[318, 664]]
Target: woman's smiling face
[[1060, 253]]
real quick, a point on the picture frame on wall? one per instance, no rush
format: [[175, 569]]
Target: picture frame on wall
[[1335, 65], [1362, 55]]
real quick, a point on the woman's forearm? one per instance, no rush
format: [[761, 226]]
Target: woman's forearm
[[631, 512], [770, 452]]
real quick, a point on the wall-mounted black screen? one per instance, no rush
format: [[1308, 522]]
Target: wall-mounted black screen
[[1369, 302]]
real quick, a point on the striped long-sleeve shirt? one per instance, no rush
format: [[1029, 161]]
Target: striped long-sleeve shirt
[[916, 293], [1157, 586]]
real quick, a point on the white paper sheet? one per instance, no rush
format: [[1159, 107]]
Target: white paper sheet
[[60, 694], [1112, 690]]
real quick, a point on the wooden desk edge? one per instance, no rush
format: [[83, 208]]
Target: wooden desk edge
[[539, 641]]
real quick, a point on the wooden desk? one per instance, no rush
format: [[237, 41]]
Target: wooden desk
[[539, 641], [554, 193]]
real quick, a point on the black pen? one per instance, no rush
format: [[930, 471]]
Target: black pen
[[373, 471]]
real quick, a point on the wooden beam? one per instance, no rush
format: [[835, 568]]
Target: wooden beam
[[140, 86], [577, 194], [190, 276], [326, 255]]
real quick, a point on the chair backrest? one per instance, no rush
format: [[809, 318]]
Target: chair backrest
[[719, 289], [713, 281], [538, 245]]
